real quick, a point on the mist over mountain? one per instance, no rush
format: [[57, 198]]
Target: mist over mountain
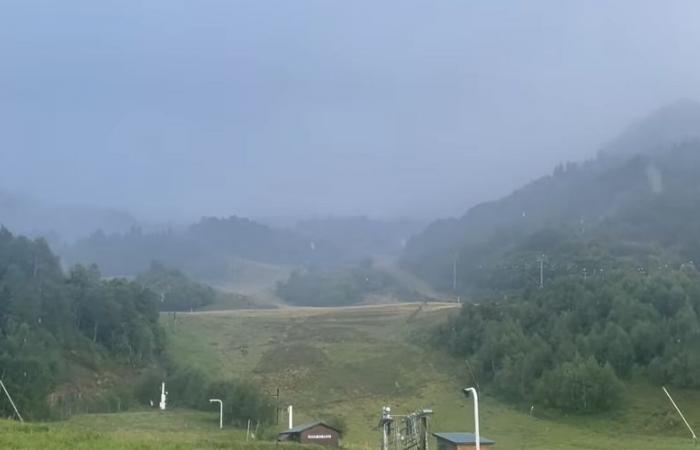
[[360, 236], [641, 192], [207, 249], [33, 217], [674, 124]]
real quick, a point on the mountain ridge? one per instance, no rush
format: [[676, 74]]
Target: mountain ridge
[[595, 196]]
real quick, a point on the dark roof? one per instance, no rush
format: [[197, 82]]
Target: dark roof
[[463, 438], [306, 426]]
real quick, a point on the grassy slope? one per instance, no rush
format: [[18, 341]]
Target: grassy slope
[[351, 362]]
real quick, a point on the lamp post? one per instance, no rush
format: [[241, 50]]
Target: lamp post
[[467, 392], [221, 410]]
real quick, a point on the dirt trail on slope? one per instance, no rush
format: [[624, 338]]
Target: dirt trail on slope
[[304, 311]]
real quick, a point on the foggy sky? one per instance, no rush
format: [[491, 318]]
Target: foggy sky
[[271, 108]]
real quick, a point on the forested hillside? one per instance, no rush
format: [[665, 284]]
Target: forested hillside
[[175, 291], [620, 206], [342, 287], [205, 250], [51, 321], [570, 345], [583, 279]]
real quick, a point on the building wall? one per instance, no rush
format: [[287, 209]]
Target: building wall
[[473, 447], [444, 445], [320, 435]]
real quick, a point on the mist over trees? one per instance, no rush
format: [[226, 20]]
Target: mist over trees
[[175, 291], [582, 280], [58, 223], [205, 249], [341, 287], [622, 206], [360, 237]]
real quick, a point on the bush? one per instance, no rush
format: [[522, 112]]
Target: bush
[[188, 387], [191, 388], [580, 386], [243, 402]]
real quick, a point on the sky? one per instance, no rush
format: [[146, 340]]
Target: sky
[[278, 108]]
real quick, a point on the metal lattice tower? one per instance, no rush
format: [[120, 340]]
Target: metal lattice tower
[[405, 432]]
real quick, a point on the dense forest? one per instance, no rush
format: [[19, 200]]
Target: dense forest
[[568, 345], [340, 287], [50, 320], [55, 327], [175, 291]]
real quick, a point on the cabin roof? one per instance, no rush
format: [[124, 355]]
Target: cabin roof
[[463, 438], [306, 426]]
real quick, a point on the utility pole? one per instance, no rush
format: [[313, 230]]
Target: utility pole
[[541, 260], [277, 407], [454, 274]]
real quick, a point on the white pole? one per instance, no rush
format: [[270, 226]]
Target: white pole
[[163, 397], [290, 416], [695, 438], [476, 416], [11, 402], [221, 410]]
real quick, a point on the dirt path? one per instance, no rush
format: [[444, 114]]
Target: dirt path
[[301, 311]]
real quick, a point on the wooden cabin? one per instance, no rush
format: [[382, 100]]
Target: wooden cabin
[[317, 433]]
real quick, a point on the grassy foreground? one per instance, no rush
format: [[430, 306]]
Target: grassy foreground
[[171, 430], [350, 362]]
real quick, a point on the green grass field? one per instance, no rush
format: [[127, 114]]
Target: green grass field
[[170, 430], [349, 362]]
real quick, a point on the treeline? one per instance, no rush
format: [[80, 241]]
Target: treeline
[[206, 250], [55, 326], [50, 320], [174, 290], [340, 287], [569, 346], [191, 388], [628, 208]]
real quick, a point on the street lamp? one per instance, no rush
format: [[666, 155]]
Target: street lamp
[[467, 392], [221, 410]]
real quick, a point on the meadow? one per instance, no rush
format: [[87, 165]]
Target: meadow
[[347, 363], [140, 430]]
